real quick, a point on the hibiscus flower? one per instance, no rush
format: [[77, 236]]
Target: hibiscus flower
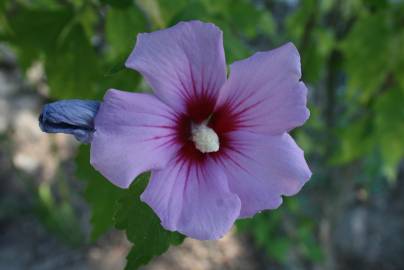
[[217, 147]]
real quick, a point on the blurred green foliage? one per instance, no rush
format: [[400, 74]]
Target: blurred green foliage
[[101, 195], [57, 213], [142, 226], [352, 60]]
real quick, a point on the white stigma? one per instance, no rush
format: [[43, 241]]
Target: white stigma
[[204, 138]]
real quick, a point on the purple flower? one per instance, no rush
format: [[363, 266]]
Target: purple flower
[[217, 147]]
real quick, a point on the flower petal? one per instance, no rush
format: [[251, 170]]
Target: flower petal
[[181, 62], [264, 93], [261, 168], [134, 133], [193, 199]]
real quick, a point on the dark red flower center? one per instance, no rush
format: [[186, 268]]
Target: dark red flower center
[[199, 110]]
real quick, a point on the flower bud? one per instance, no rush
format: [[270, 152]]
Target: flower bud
[[75, 117]]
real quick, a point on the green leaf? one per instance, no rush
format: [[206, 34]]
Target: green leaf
[[234, 47], [71, 63], [153, 12], [3, 21], [100, 194], [297, 21], [38, 28], [389, 131], [119, 77], [192, 11], [36, 31], [88, 18], [245, 16], [267, 24], [399, 56], [308, 243], [124, 79], [170, 9], [317, 52], [279, 248], [356, 141], [117, 67], [142, 227], [72, 67], [119, 3], [122, 26], [368, 59]]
